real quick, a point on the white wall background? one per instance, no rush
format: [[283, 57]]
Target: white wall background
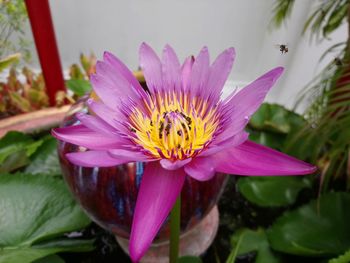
[[120, 26]]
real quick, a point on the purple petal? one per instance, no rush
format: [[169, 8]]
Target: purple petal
[[111, 85], [151, 67], [95, 123], [112, 117], [171, 69], [106, 91], [201, 168], [219, 73], [232, 141], [186, 70], [94, 159], [126, 73], [157, 195], [169, 165], [240, 108], [200, 72], [249, 99], [251, 158], [83, 136], [129, 155]]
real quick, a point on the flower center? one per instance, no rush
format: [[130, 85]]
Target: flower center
[[177, 126]]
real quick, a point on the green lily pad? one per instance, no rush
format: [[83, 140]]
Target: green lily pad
[[14, 161], [269, 139], [344, 258], [15, 150], [275, 118], [272, 190], [274, 126], [13, 142], [245, 241], [45, 159], [320, 228], [35, 212]]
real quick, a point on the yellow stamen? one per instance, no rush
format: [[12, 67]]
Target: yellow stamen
[[177, 128]]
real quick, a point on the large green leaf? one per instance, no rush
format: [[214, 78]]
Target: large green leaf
[[272, 125], [272, 190], [275, 118], [344, 258], [79, 86], [320, 228], [245, 241], [45, 159], [33, 209], [30, 254], [267, 138], [14, 161], [15, 148], [13, 142]]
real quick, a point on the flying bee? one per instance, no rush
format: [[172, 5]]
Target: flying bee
[[283, 48]]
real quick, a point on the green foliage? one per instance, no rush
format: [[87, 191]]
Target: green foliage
[[86, 68], [15, 150], [13, 142], [35, 252], [35, 212], [79, 87], [189, 259], [9, 60], [45, 159], [275, 118], [326, 17], [272, 191], [22, 96], [25, 219], [345, 258], [13, 18], [325, 135], [30, 95], [245, 241], [320, 228], [273, 124], [281, 11], [39, 156], [36, 209], [337, 15]]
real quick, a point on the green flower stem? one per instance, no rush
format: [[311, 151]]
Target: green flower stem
[[175, 216]]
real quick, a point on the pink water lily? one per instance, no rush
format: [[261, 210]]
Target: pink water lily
[[180, 127]]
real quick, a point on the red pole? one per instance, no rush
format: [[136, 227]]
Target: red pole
[[45, 41]]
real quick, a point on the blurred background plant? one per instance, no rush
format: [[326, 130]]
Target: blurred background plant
[[25, 90], [326, 134], [13, 20]]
